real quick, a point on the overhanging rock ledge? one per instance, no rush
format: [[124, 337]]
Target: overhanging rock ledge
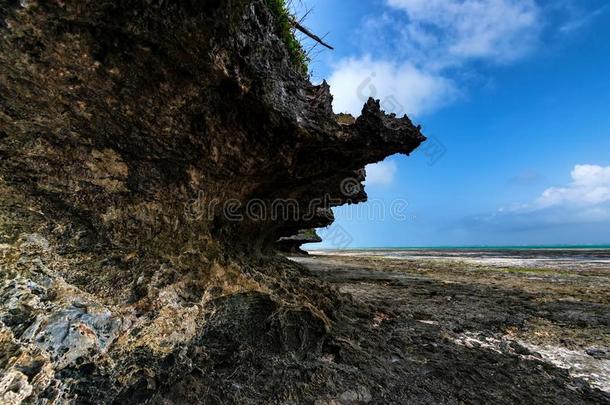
[[125, 128]]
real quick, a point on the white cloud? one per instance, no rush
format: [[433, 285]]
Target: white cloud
[[585, 200], [579, 21], [499, 30], [381, 174], [590, 187], [401, 87], [417, 43]]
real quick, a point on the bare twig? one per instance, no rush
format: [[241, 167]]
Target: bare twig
[[305, 15], [310, 34]]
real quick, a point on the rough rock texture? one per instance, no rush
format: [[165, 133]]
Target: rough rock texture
[[292, 244], [119, 114], [133, 135]]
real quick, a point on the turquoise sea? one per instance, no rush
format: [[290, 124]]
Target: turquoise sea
[[556, 256], [482, 247]]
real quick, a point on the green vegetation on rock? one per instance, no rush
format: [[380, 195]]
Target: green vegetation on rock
[[284, 19]]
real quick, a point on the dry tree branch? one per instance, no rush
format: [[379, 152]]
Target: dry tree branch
[[310, 34]]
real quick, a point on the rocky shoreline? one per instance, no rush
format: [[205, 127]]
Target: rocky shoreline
[[538, 319], [152, 153], [348, 331], [141, 146]]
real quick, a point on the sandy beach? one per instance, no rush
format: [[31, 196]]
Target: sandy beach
[[478, 326]]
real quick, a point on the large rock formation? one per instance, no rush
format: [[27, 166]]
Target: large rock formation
[[117, 116], [292, 244], [134, 137]]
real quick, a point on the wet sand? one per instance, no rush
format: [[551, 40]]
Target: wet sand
[[544, 316]]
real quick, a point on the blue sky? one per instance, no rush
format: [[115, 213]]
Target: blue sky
[[515, 96]]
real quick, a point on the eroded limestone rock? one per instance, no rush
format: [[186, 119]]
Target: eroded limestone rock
[[125, 129]]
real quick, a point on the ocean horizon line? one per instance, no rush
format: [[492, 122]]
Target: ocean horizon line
[[471, 247]]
